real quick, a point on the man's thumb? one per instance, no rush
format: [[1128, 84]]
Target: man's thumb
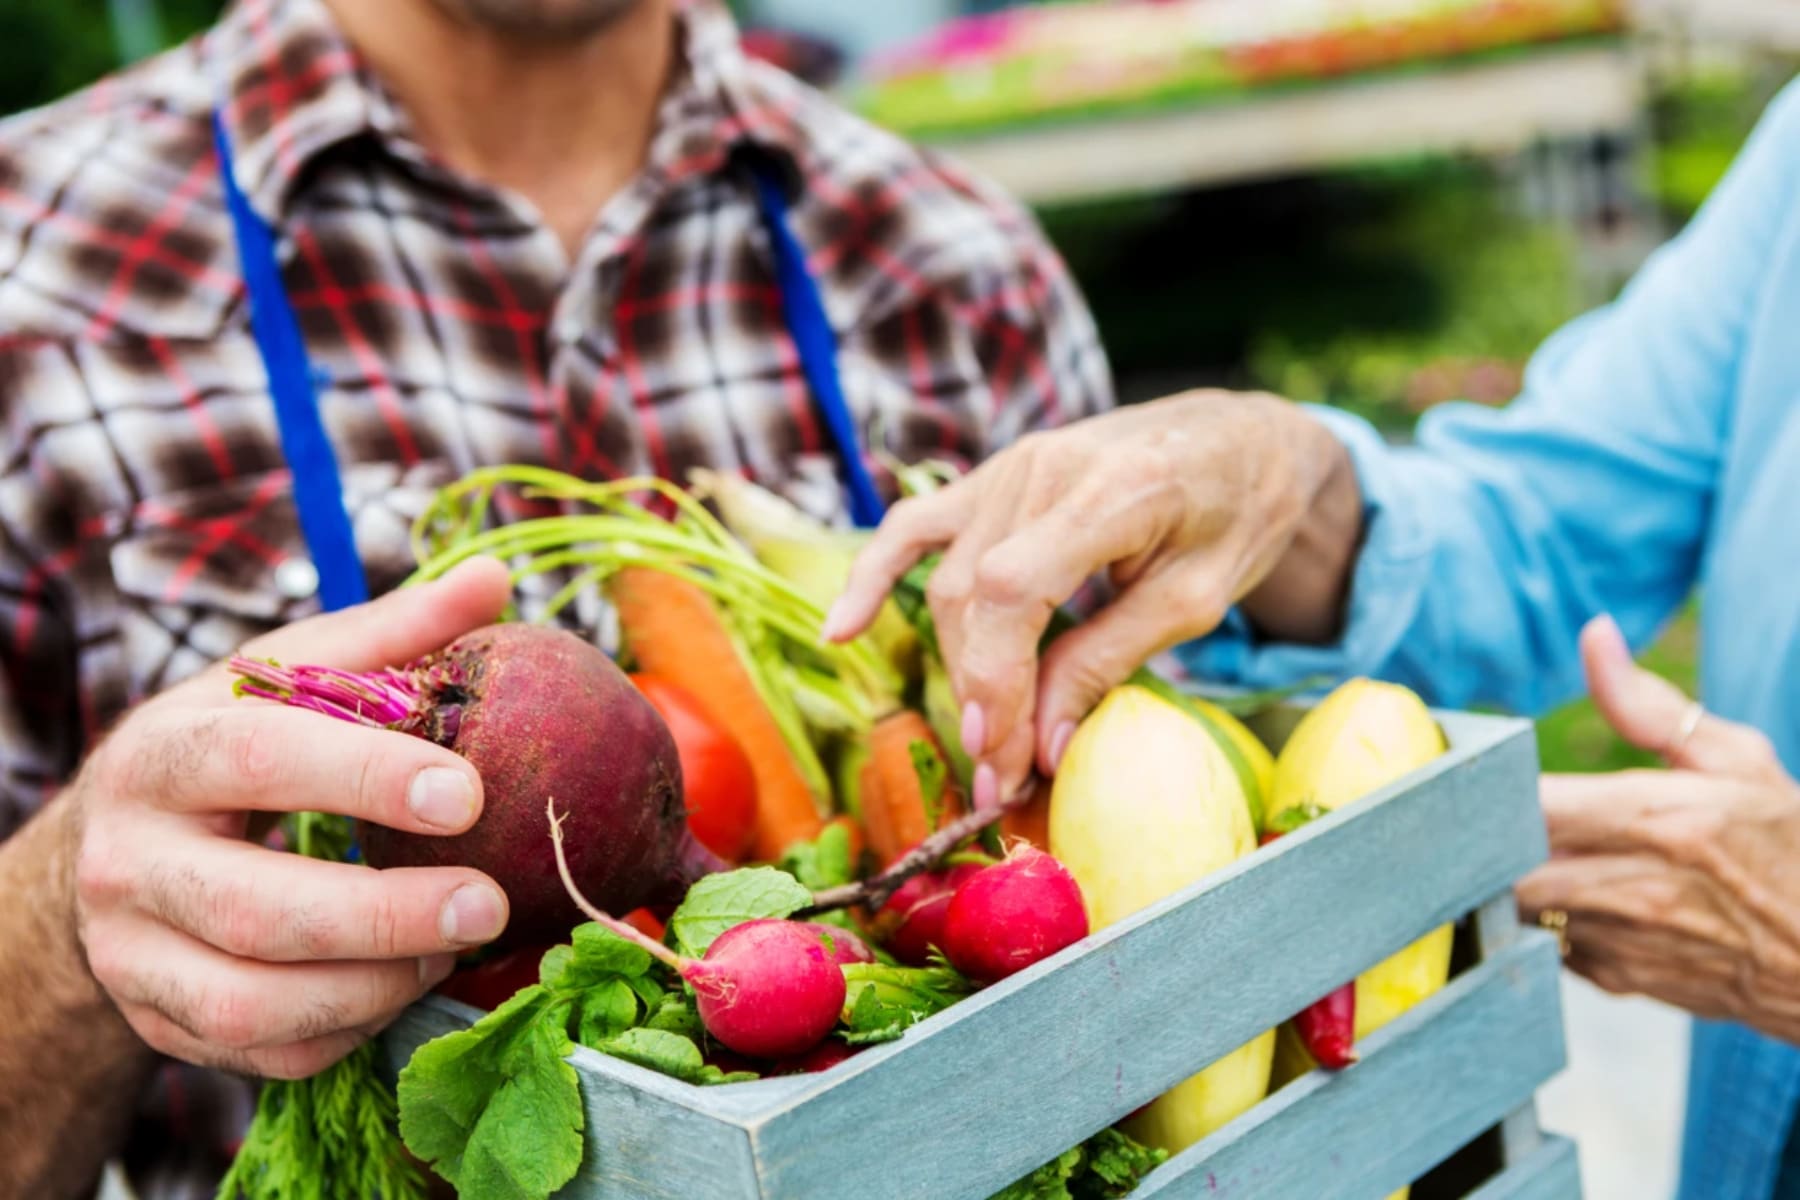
[[398, 627]]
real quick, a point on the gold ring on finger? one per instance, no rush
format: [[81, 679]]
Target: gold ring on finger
[[1557, 922]]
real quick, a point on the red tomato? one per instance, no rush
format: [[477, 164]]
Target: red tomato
[[715, 772], [490, 984]]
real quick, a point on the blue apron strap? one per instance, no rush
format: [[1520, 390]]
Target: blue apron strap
[[318, 492], [816, 342]]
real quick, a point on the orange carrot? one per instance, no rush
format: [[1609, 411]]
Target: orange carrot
[[675, 632], [1031, 821], [893, 803]]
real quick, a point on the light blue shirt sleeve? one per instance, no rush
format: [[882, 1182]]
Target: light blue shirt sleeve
[[1492, 540]]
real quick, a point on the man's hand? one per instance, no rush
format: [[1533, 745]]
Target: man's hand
[[1192, 503], [1678, 884], [225, 953]]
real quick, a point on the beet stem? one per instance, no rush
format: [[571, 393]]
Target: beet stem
[[874, 891], [631, 934], [386, 699]]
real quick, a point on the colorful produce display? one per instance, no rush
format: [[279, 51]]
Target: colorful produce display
[[1054, 61], [752, 857]]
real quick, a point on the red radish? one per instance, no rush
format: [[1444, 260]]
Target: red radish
[[538, 712], [1013, 914], [766, 989], [1328, 1028], [822, 1057], [841, 944], [911, 923]]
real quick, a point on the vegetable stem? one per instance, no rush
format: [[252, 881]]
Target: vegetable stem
[[642, 940], [874, 891]]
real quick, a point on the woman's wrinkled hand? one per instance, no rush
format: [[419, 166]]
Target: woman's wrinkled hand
[[1683, 884], [1189, 503]]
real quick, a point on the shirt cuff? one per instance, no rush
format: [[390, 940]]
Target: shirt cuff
[[1386, 588]]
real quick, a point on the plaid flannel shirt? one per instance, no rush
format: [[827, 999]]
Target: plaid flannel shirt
[[145, 509]]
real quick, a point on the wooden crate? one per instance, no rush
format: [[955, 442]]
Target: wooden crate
[[981, 1094]]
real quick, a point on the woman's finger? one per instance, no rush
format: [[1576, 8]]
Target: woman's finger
[[256, 903], [912, 529], [1158, 611], [1653, 714]]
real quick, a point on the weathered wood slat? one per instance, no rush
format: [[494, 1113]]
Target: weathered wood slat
[[1427, 1085], [1553, 1172]]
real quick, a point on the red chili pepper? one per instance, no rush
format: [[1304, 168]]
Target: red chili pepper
[[1327, 1027]]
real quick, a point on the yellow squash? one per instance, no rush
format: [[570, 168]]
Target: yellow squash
[[1145, 804], [1361, 738], [1262, 763]]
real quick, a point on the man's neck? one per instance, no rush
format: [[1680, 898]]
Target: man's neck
[[564, 124]]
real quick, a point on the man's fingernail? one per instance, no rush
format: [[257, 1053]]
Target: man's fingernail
[[836, 617], [987, 789], [475, 913], [442, 798], [435, 968], [1059, 744], [974, 730]]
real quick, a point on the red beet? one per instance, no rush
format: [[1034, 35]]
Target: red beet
[[767, 989], [912, 921], [541, 714], [841, 944], [1013, 914]]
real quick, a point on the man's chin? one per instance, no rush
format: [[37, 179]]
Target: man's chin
[[542, 20]]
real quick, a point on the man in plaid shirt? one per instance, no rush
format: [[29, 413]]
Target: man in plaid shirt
[[513, 231]]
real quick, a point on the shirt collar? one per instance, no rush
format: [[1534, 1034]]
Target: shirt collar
[[295, 89]]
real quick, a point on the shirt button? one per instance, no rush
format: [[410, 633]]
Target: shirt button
[[296, 578]]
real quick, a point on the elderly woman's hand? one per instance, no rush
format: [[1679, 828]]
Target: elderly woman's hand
[[1682, 884], [1193, 504]]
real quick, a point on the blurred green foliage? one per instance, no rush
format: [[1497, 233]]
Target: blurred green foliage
[[48, 50]]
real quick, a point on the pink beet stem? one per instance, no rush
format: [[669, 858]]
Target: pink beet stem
[[631, 934], [384, 699]]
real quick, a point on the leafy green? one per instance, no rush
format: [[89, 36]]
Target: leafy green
[[676, 1014], [1295, 817], [494, 1108], [334, 1134], [1113, 1165], [1106, 1166], [882, 1002], [718, 902], [311, 1136], [822, 863], [671, 1054], [928, 764], [1048, 1182]]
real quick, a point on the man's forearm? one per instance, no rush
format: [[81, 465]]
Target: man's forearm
[[1303, 599], [71, 1070]]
